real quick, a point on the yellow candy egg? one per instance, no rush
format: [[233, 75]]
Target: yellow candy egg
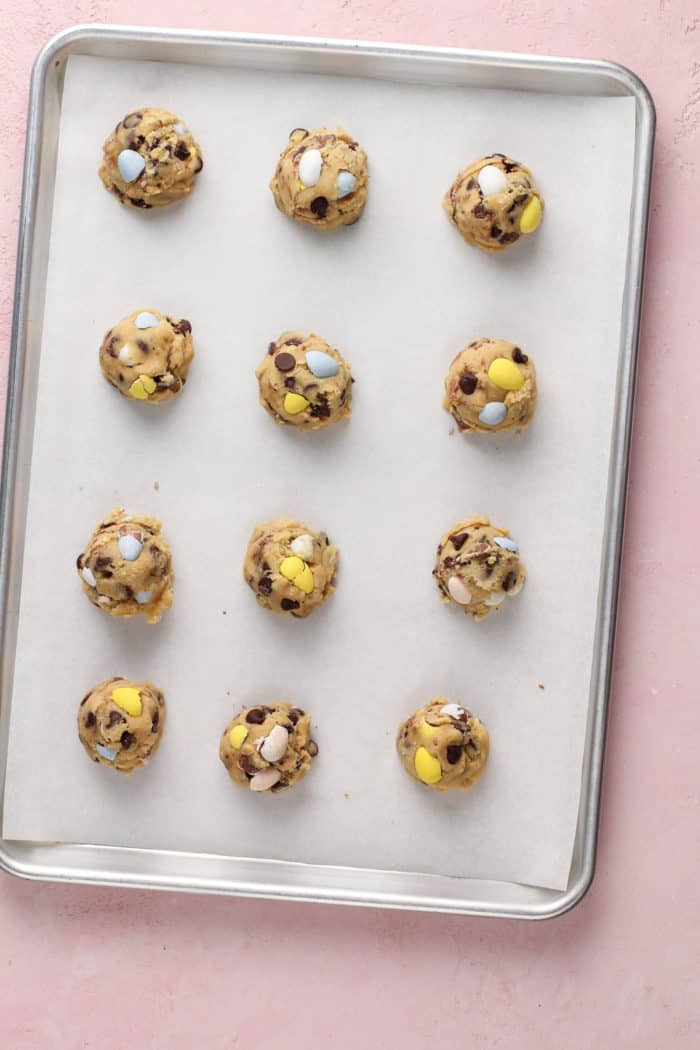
[[305, 580], [531, 215], [294, 404], [427, 766], [237, 736], [291, 567], [142, 387], [505, 374], [129, 699]]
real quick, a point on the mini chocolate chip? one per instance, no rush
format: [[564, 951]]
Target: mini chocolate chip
[[143, 346], [292, 342], [115, 718], [467, 382], [459, 539], [290, 383], [131, 120], [155, 720], [480, 211], [298, 711], [128, 591], [320, 409], [139, 202], [508, 238], [287, 604], [182, 327], [472, 184], [496, 231], [255, 717], [519, 357], [79, 562], [312, 748], [200, 164], [90, 719], [102, 563], [120, 377], [271, 348], [448, 563], [181, 151], [319, 206], [454, 753], [293, 716], [285, 362], [265, 585], [510, 165], [126, 739], [509, 581]]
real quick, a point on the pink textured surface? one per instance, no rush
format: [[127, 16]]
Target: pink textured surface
[[106, 969]]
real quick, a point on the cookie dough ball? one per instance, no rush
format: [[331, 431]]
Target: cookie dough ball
[[268, 748], [147, 355], [289, 567], [150, 159], [491, 385], [304, 382], [443, 746], [120, 723], [126, 567], [478, 566], [321, 178], [493, 201]]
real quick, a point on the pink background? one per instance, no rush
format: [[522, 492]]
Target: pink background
[[106, 969]]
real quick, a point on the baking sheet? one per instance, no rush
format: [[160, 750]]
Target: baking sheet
[[399, 293]]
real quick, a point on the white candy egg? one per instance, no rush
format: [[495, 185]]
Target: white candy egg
[[453, 710], [87, 575], [310, 167], [265, 779], [303, 547], [458, 591], [492, 180], [125, 355], [275, 744], [146, 320], [144, 597]]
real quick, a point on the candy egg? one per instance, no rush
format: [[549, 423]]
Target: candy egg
[[237, 736], [294, 404], [452, 711], [458, 591], [505, 374], [129, 699], [493, 413], [305, 580], [495, 599], [322, 365], [291, 567], [130, 547], [144, 597], [531, 215], [516, 588], [492, 180], [146, 320], [87, 575], [130, 164], [125, 355], [107, 752], [310, 167], [275, 744], [346, 183], [180, 128], [427, 767], [506, 543], [303, 547], [142, 387], [265, 779]]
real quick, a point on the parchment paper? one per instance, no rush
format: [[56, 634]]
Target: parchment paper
[[399, 293]]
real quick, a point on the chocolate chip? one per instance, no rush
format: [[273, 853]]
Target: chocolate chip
[[287, 604], [155, 720], [182, 327], [200, 164], [285, 362], [139, 202], [294, 131], [79, 562], [290, 383], [127, 739], [102, 563], [472, 184], [448, 563], [320, 409], [292, 342], [181, 151], [120, 377], [255, 717], [298, 712], [496, 231], [143, 346], [480, 211], [90, 718], [312, 748], [459, 539], [508, 238], [271, 348], [265, 585], [454, 753], [115, 718], [467, 382], [519, 357], [510, 165], [319, 206], [509, 581], [131, 120], [293, 716]]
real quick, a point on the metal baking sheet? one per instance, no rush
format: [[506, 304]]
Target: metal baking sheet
[[278, 878]]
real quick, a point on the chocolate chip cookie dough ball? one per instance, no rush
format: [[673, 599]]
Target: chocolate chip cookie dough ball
[[478, 567], [443, 746], [150, 159], [321, 178], [491, 385], [120, 723], [268, 748], [126, 567], [304, 382], [289, 567], [147, 355], [493, 201]]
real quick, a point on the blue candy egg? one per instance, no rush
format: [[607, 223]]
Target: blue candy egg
[[322, 365], [129, 547], [130, 164], [493, 413], [107, 752], [506, 543]]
